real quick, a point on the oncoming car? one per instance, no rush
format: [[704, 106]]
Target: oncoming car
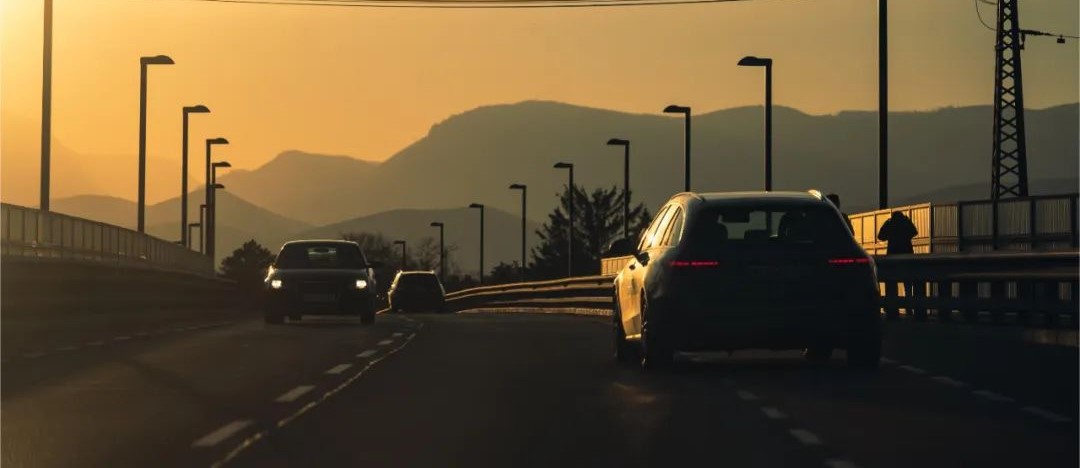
[[727, 271], [320, 277], [416, 291]]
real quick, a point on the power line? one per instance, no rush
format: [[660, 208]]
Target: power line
[[490, 4], [979, 14]]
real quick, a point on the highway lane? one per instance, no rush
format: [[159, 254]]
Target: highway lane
[[496, 389]]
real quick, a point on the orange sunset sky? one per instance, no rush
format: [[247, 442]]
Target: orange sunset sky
[[368, 82]]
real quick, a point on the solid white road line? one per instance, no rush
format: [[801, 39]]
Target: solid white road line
[[948, 381], [338, 368], [291, 395], [987, 394], [805, 437], [912, 369], [1045, 414], [385, 342], [367, 354], [838, 463], [773, 413], [745, 395], [222, 433]]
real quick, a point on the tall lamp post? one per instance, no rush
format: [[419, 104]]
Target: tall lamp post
[[570, 238], [202, 231], [210, 142], [883, 104], [404, 257], [524, 192], [145, 62], [211, 236], [211, 219], [190, 226], [46, 106], [481, 208], [626, 182], [442, 250], [685, 111], [751, 61], [198, 109]]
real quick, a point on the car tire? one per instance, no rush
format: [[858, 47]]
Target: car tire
[[818, 354], [864, 351], [624, 350], [656, 353]]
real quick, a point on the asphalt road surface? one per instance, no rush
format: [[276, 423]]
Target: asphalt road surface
[[500, 389]]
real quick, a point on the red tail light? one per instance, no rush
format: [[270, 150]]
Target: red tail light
[[694, 263], [849, 261]]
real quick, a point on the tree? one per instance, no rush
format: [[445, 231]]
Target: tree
[[247, 265], [422, 255], [598, 221], [504, 273]]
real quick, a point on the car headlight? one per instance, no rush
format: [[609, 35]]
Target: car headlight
[[276, 284], [361, 284]]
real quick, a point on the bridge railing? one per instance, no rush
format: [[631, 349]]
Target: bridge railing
[[33, 234], [1022, 288]]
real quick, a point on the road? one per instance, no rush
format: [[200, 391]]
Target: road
[[502, 389]]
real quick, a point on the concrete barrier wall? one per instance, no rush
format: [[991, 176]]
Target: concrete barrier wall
[[36, 286]]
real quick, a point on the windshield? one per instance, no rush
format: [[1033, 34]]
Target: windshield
[[768, 226], [418, 281], [308, 256]]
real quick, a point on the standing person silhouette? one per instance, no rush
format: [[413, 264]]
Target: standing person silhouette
[[898, 231]]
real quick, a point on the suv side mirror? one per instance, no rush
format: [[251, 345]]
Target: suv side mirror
[[621, 247]]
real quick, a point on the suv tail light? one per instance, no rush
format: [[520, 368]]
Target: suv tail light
[[849, 261], [694, 263]]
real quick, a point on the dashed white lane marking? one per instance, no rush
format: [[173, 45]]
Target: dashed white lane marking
[[987, 394], [222, 433], [67, 348], [142, 333], [385, 342], [805, 437], [338, 368], [32, 355], [886, 360], [1045, 414], [773, 413], [838, 463], [745, 395], [949, 381], [96, 343], [292, 395], [367, 354], [397, 334], [121, 338], [912, 369]]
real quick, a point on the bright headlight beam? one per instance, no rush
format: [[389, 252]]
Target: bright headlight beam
[[361, 284], [276, 284]]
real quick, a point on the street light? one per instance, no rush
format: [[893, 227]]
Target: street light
[[211, 245], [481, 207], [46, 105], [685, 111], [442, 251], [194, 225], [199, 109], [751, 61], [144, 62], [570, 238], [202, 231], [404, 258], [211, 219], [524, 192], [883, 104], [209, 176], [626, 182]]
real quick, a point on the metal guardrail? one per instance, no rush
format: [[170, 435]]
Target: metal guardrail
[[31, 233], [1034, 288]]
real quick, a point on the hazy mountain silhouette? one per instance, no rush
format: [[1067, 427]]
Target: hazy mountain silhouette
[[462, 228], [978, 192], [475, 155], [238, 219]]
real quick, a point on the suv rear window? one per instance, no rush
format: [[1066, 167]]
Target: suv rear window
[[775, 225], [419, 281], [313, 256]]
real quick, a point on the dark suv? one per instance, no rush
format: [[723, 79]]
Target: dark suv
[[726, 271], [415, 291], [320, 277]]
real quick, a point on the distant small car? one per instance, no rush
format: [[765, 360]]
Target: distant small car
[[727, 271], [417, 291], [320, 277]]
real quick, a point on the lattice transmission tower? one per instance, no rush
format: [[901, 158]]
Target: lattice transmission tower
[[1010, 176]]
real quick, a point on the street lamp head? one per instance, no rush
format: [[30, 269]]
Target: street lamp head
[[399, 242], [517, 186], [676, 109], [156, 60], [618, 142], [217, 141], [222, 164], [217, 186], [751, 61], [199, 109], [436, 224], [475, 205], [563, 165]]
